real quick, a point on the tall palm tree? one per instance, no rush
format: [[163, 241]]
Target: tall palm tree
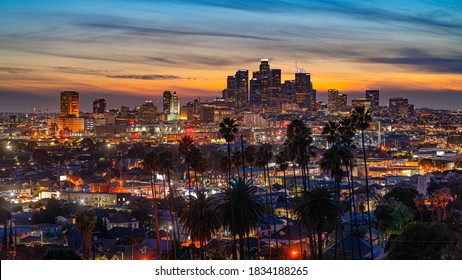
[[264, 156], [152, 163], [332, 161], [300, 147], [166, 163], [281, 161], [346, 140], [200, 218], [86, 222], [240, 202], [361, 118], [184, 147], [319, 210], [229, 127]]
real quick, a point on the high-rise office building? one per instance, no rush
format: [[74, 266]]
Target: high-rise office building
[[336, 101], [255, 91], [373, 97], [305, 96], [174, 108], [148, 112], [242, 87], [99, 106], [231, 90], [166, 101], [399, 107], [69, 103]]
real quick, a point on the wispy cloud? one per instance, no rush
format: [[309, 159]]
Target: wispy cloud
[[13, 70], [423, 61], [163, 32], [144, 77]]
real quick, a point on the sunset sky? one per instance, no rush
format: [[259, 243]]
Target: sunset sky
[[131, 51]]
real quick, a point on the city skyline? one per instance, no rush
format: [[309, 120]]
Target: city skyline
[[131, 52]]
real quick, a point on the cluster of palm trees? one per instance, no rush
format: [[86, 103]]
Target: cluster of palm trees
[[317, 209]]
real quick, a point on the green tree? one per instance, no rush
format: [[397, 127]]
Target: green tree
[[240, 202], [421, 241], [185, 146], [361, 118], [86, 221], [229, 127], [152, 163], [200, 218], [319, 210]]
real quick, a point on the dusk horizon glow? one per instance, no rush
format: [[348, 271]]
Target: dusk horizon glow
[[131, 52]]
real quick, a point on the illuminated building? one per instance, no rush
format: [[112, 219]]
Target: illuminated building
[[336, 101], [305, 96], [230, 95], [69, 103], [99, 106], [361, 101], [399, 107], [167, 99], [373, 97], [174, 108], [242, 88], [148, 112]]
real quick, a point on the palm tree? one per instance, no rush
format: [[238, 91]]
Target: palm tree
[[264, 156], [229, 127], [300, 149], [200, 218], [320, 211], [240, 202], [346, 140], [361, 119], [86, 222], [281, 161], [166, 164], [152, 162], [332, 161], [184, 147]]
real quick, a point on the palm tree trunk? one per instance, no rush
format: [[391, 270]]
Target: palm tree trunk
[[232, 207], [156, 218], [351, 215], [268, 223], [367, 197], [287, 207], [319, 244], [243, 157], [241, 247], [172, 214], [354, 209], [296, 196], [166, 228], [272, 206], [337, 188]]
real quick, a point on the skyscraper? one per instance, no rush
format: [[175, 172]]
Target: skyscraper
[[242, 87], [255, 91], [399, 107], [231, 90], [70, 103], [174, 107], [373, 97], [336, 101], [304, 93], [99, 106], [167, 99]]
